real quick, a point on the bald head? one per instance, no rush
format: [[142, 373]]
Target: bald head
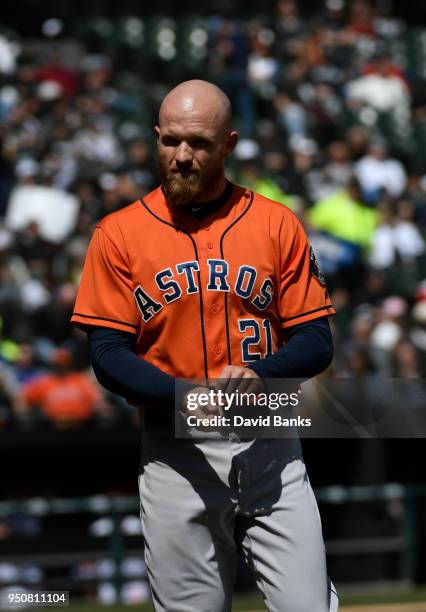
[[195, 137], [199, 100]]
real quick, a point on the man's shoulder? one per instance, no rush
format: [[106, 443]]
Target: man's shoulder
[[269, 208], [126, 216], [122, 215]]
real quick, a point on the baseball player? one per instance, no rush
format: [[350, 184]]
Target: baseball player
[[206, 279]]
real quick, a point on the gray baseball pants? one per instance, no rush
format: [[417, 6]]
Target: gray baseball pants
[[205, 502]]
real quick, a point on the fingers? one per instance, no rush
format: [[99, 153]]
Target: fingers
[[254, 385], [238, 378], [208, 403], [202, 406], [223, 378], [234, 380]]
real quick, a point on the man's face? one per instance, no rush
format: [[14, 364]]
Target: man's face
[[191, 154]]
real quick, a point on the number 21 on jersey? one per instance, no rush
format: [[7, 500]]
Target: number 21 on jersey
[[255, 329]]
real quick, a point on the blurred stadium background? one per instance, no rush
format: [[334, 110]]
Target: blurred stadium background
[[330, 101]]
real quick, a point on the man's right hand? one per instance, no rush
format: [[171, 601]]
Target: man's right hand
[[201, 411]]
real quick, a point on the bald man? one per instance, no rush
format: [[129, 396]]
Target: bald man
[[203, 279], [194, 173]]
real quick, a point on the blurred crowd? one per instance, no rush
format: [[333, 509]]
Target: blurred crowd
[[331, 111]]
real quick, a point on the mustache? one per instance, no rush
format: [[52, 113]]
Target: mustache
[[184, 169]]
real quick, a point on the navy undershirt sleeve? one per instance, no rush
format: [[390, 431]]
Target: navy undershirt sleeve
[[308, 351], [120, 370]]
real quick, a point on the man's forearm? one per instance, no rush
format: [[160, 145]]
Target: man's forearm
[[307, 352], [121, 371]]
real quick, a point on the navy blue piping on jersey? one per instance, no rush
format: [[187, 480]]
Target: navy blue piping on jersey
[[203, 334], [304, 314], [80, 314], [228, 341]]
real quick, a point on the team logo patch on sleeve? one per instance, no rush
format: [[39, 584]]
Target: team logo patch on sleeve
[[316, 272]]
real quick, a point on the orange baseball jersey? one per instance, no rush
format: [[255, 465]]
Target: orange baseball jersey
[[201, 294]]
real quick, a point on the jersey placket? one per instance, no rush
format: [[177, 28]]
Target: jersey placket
[[208, 243]]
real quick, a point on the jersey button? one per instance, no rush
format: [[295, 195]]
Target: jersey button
[[217, 349], [215, 307], [210, 244]]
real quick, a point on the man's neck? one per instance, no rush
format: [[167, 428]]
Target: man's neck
[[203, 209], [213, 195]]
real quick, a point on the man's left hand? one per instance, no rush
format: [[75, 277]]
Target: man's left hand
[[233, 378]]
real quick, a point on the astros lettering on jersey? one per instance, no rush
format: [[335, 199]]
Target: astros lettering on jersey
[[201, 293]]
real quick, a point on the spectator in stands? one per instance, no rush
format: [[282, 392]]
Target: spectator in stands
[[337, 169], [406, 360], [26, 367], [55, 71], [397, 238], [290, 115], [379, 173], [344, 215], [357, 139], [65, 397], [140, 165], [263, 66], [361, 18], [381, 87], [229, 60], [359, 363], [290, 24]]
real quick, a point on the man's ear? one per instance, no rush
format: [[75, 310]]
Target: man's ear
[[157, 132], [231, 142]]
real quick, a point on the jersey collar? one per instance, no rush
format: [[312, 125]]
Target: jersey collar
[[180, 218]]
